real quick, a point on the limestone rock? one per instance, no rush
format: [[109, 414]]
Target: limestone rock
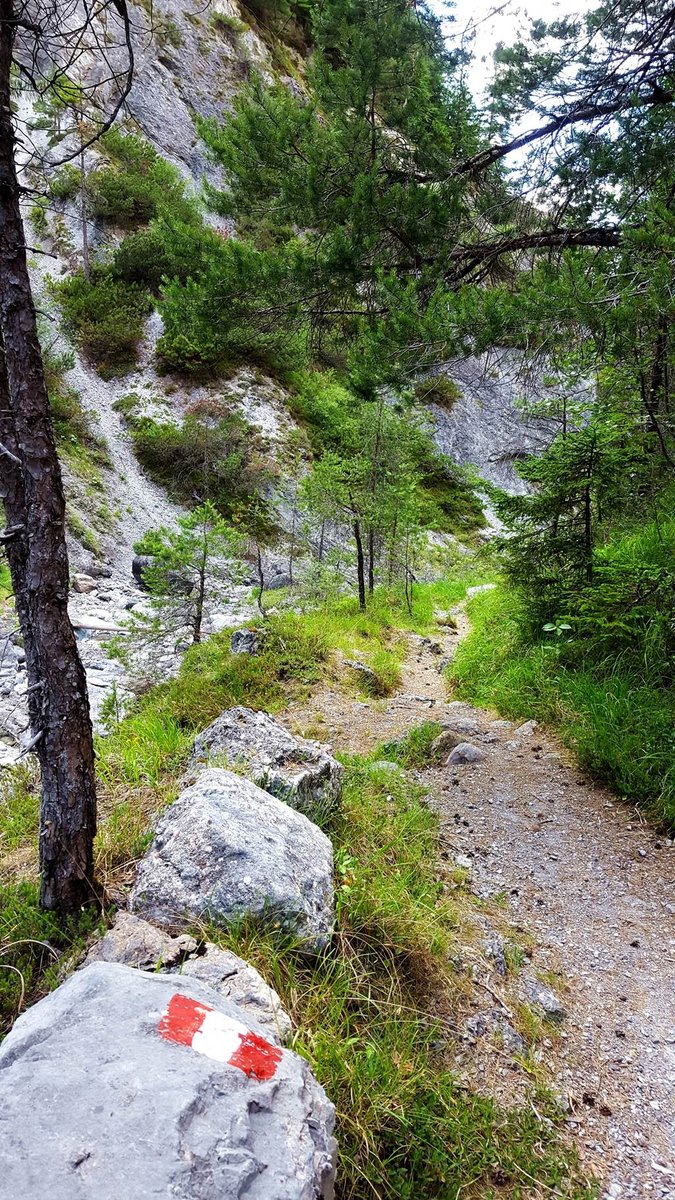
[[464, 725], [239, 982], [245, 641], [136, 943], [125, 1084], [543, 998], [445, 742], [464, 753], [301, 772], [84, 583], [226, 849]]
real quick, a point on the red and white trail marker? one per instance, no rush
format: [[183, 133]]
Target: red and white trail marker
[[219, 1037]]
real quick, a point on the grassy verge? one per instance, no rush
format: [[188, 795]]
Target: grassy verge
[[374, 1016], [374, 1019], [620, 728]]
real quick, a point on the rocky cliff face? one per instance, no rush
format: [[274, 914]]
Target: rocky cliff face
[[491, 426]]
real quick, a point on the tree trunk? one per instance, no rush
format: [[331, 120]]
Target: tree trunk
[[86, 266], [371, 561], [261, 578], [35, 509], [360, 566]]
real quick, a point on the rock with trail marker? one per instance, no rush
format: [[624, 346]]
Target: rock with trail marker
[[239, 982], [125, 1084], [137, 943], [465, 753], [301, 772], [225, 849]]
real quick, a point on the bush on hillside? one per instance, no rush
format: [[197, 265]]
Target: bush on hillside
[[137, 184], [106, 316], [213, 455]]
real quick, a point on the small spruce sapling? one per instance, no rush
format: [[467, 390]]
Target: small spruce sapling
[[191, 568]]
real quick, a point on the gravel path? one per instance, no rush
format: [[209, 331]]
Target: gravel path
[[589, 887]]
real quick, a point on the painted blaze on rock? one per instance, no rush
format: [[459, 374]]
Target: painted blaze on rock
[[123, 1086]]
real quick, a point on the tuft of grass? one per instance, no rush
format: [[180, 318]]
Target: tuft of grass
[[413, 750], [34, 949], [19, 808], [620, 728]]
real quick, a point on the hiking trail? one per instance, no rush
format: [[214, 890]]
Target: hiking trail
[[575, 879]]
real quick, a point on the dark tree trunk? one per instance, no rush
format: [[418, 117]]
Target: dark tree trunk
[[371, 561], [261, 577], [360, 566], [35, 509]]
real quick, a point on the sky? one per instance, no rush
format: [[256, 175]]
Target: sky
[[494, 22]]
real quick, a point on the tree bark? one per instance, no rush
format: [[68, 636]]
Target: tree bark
[[360, 566], [371, 561], [35, 508]]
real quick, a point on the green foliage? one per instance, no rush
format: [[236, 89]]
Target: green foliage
[[210, 322], [438, 389], [213, 454], [190, 567], [413, 750], [617, 720], [164, 249], [65, 183], [137, 184], [106, 316]]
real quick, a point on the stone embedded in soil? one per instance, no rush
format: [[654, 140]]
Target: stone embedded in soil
[[84, 583], [301, 772], [136, 943], [542, 997], [245, 641], [125, 1084], [445, 742], [464, 725], [225, 850], [494, 950], [465, 753]]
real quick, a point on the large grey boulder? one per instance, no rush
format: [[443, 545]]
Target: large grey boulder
[[225, 849], [125, 1084], [136, 943], [301, 772]]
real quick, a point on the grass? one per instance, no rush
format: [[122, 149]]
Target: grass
[[620, 728], [374, 1015]]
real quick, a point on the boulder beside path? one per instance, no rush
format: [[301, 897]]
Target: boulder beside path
[[226, 850], [301, 772], [126, 1084]]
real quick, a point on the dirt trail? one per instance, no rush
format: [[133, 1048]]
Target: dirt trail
[[581, 881]]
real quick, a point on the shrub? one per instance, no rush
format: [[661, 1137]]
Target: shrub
[[65, 183], [107, 317], [212, 454], [137, 184], [171, 250], [437, 389]]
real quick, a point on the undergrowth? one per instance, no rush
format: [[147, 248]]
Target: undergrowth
[[374, 1014], [619, 726]]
